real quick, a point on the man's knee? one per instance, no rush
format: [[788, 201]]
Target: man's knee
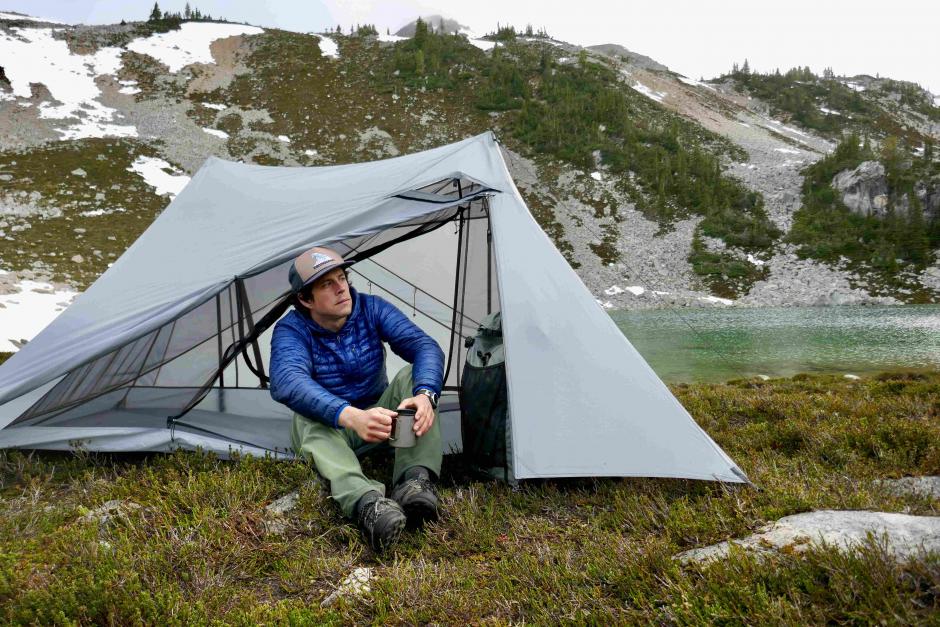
[[404, 375]]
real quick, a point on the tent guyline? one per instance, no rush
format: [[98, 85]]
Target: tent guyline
[[183, 340]]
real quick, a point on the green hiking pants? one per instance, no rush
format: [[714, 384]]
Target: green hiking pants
[[334, 451]]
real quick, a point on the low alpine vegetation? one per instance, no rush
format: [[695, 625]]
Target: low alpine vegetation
[[185, 538]]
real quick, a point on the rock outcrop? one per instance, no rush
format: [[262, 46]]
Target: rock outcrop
[[864, 190], [904, 536]]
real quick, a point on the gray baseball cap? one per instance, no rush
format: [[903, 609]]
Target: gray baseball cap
[[313, 264]]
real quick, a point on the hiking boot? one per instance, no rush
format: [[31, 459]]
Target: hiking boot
[[380, 519], [416, 495]]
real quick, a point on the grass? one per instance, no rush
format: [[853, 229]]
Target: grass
[[575, 551], [50, 243]]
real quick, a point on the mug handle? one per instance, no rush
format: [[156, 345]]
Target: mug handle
[[391, 437]]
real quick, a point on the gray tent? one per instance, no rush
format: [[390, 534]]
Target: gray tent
[[168, 348]]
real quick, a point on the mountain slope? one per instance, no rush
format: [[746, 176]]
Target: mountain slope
[[659, 190]]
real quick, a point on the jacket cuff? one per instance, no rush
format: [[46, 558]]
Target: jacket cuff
[[336, 415], [424, 386]]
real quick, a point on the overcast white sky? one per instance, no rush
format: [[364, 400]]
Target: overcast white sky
[[900, 39]]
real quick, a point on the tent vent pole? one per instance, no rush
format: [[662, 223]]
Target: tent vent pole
[[453, 320], [489, 257], [246, 309]]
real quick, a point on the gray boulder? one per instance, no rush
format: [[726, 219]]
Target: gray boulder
[[864, 190], [928, 193], [905, 536]]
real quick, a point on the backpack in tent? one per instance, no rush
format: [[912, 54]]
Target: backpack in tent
[[484, 424]]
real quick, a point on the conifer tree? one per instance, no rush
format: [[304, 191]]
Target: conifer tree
[[187, 12], [421, 33], [155, 14]]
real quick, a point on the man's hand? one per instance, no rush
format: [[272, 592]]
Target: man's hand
[[424, 412], [372, 425]]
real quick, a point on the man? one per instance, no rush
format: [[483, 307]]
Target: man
[[328, 365]]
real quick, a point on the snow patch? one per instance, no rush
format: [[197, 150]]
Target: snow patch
[[636, 290], [190, 44], [596, 176], [853, 377], [153, 172], [613, 290], [689, 81], [70, 79], [754, 260], [649, 93], [777, 126], [283, 138], [717, 300], [483, 44], [100, 212], [15, 16], [787, 151], [606, 304], [328, 47], [28, 311], [216, 132], [310, 153], [130, 91], [392, 38], [829, 111], [212, 105]]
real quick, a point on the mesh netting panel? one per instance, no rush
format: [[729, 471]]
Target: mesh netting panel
[[183, 357]]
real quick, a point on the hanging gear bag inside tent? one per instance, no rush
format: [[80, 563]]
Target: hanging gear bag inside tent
[[483, 402]]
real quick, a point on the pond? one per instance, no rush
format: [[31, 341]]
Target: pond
[[708, 345]]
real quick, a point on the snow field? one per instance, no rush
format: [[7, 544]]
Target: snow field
[[190, 44], [34, 55], [26, 312]]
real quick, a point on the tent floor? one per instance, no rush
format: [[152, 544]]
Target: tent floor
[[218, 431]]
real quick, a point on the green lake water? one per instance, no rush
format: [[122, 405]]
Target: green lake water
[[687, 345]]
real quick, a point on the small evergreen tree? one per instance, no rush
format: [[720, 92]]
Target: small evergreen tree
[[187, 12], [421, 33], [155, 14]]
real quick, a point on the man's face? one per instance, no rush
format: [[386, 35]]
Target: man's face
[[330, 297]]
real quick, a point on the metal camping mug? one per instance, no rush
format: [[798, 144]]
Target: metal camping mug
[[403, 432]]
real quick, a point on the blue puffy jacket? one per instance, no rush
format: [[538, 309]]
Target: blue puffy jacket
[[318, 373]]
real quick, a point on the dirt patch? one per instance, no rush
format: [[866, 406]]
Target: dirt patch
[[228, 54]]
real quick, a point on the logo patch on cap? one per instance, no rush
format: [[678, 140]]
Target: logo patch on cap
[[319, 259]]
